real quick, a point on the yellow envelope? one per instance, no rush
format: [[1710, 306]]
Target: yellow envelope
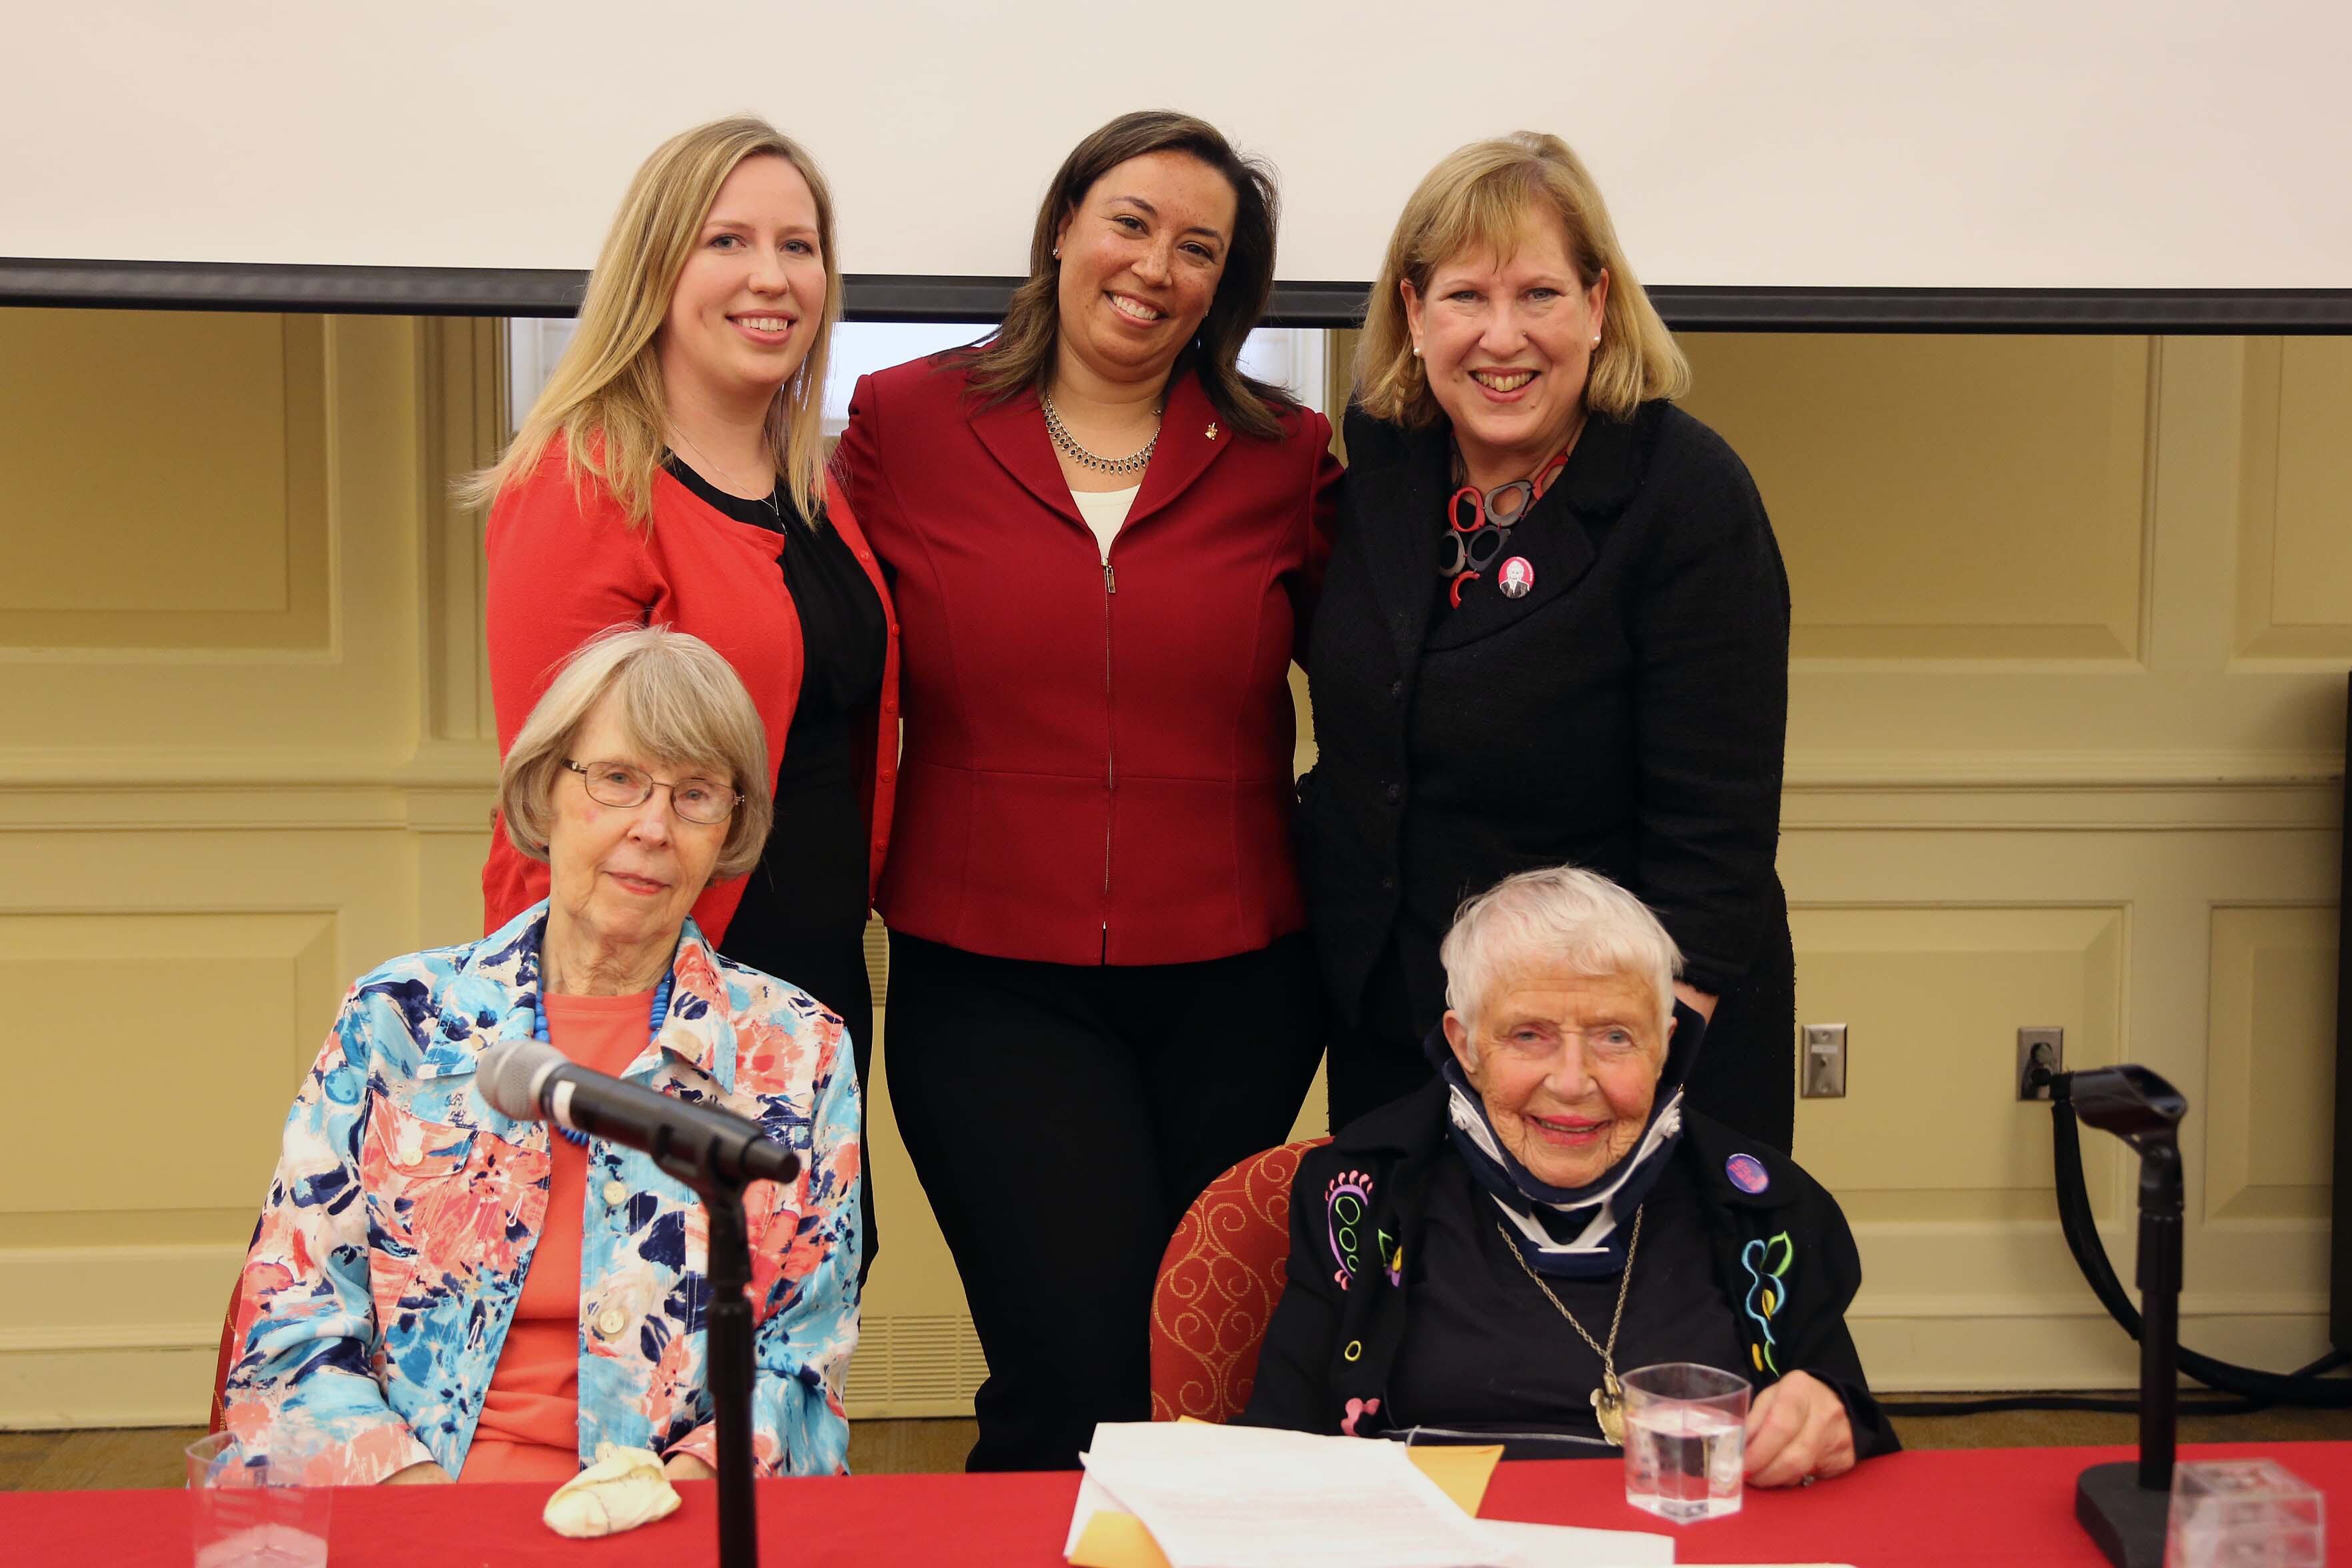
[[1120, 1541]]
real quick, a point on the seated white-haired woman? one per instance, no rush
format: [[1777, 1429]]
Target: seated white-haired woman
[[1484, 1258], [438, 1292]]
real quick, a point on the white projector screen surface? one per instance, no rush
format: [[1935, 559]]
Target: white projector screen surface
[[2103, 144]]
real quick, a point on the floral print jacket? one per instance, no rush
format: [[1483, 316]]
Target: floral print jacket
[[392, 1249]]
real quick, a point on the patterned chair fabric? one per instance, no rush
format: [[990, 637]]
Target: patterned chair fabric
[[1219, 1279]]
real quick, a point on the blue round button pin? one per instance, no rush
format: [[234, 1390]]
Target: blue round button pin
[[1747, 1173]]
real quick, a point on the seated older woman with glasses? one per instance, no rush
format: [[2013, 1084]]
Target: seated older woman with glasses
[[438, 1292], [1485, 1258]]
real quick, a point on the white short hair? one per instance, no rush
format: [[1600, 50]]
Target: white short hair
[[1560, 914]]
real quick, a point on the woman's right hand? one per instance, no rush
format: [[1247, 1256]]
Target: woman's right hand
[[423, 1473]]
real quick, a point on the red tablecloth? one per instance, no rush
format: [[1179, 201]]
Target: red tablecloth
[[1908, 1511]]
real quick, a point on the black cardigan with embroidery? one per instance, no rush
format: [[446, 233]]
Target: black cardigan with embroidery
[[1783, 1255]]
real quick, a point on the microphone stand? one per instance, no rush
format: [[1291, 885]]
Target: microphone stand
[[727, 1325], [2124, 1506]]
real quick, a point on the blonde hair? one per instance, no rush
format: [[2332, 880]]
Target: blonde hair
[[1561, 913], [604, 398], [1484, 198], [678, 704]]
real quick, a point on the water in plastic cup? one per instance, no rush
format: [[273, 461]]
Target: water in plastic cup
[[1686, 1438], [240, 1520]]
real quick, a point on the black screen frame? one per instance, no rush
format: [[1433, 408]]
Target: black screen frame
[[881, 297]]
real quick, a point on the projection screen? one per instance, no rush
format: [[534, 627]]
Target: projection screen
[[2171, 156]]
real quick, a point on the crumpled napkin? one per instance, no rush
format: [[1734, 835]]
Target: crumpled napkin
[[624, 1488]]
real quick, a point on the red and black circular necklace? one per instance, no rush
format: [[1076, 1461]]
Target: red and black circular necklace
[[1478, 534]]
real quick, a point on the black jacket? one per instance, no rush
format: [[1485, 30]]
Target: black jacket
[[1783, 1258], [1627, 715]]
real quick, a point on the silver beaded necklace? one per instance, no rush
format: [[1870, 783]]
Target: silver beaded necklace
[[1069, 446]]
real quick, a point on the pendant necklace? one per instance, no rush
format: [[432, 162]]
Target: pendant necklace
[[768, 500], [1609, 1399]]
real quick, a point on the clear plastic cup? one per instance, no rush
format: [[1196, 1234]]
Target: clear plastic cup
[[243, 1517], [1686, 1440]]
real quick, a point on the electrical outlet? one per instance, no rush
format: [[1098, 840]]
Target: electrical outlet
[[1821, 1063], [2038, 1049]]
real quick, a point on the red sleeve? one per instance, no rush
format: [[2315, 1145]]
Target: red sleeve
[[565, 563], [1322, 520]]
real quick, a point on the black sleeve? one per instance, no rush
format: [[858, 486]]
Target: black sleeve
[[1293, 1387], [1825, 1346], [1710, 627]]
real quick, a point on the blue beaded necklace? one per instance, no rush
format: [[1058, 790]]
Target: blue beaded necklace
[[653, 1030]]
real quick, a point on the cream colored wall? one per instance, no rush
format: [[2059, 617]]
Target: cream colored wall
[[2072, 615]]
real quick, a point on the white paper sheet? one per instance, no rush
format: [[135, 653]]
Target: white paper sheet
[[1147, 1440], [1353, 1505], [1568, 1546], [1251, 1452]]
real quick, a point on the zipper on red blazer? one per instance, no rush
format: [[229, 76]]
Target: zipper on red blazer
[[1111, 755]]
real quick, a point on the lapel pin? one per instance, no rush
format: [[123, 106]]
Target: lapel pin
[[1516, 577], [1211, 432]]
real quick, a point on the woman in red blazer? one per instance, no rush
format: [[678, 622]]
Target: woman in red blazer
[[1104, 540], [672, 473]]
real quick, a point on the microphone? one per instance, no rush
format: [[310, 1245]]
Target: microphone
[[533, 1081]]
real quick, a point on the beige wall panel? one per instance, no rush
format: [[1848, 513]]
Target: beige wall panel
[[214, 534], [2270, 1082], [1929, 1130], [1942, 497], [2295, 582], [207, 1009], [146, 697]]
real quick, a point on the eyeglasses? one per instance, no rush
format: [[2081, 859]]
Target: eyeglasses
[[617, 784]]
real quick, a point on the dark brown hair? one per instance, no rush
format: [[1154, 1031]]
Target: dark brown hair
[[1020, 354]]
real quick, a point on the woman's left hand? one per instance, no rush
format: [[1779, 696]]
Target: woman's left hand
[[1798, 1428], [686, 1468]]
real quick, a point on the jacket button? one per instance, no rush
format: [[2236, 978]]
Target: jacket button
[[1396, 690], [886, 775], [890, 705], [1395, 793], [615, 1194], [610, 1321]]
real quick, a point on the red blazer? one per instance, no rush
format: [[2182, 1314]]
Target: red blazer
[[566, 564], [1097, 762]]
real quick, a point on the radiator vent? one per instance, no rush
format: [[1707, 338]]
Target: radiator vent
[[914, 1366], [877, 959]]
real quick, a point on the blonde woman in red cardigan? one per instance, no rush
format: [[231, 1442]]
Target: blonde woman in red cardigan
[[672, 473]]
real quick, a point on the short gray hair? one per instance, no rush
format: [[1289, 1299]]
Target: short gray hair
[[681, 704], [1560, 914]]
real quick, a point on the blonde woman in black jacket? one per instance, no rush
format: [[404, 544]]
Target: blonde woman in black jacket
[[1555, 630]]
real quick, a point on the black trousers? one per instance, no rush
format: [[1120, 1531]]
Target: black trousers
[[1746, 1077], [1061, 1119]]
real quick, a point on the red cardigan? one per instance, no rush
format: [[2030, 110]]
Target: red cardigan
[[1097, 763], [565, 564]]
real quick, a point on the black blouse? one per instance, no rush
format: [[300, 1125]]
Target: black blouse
[[1484, 1351], [811, 883]]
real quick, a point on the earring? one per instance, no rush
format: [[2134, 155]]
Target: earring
[[1596, 340], [1416, 350], [1058, 256]]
